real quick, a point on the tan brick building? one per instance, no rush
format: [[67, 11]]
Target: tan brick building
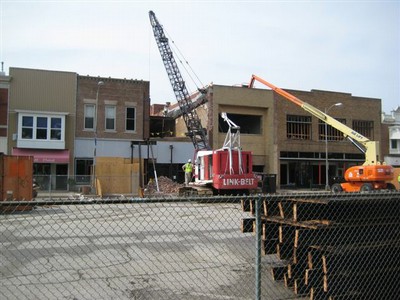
[[301, 138]]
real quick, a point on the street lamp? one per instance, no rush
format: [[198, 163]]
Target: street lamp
[[326, 147], [99, 84]]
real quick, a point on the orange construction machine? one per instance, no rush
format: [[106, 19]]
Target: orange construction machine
[[372, 175]]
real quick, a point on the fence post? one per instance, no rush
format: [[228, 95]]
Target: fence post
[[50, 188], [258, 247]]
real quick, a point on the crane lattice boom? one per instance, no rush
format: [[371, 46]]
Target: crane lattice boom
[[195, 130]]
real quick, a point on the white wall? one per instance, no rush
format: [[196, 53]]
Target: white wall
[[181, 151]]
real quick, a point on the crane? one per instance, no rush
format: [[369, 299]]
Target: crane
[[228, 170], [196, 132], [372, 175]]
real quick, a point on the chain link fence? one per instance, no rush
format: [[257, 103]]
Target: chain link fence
[[270, 246]]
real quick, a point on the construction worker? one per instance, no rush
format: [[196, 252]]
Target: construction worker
[[188, 169], [398, 180]]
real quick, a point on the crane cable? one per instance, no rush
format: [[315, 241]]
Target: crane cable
[[181, 57]]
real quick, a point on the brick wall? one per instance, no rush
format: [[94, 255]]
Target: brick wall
[[118, 92]]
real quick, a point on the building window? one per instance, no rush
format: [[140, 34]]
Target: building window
[[41, 128], [130, 119], [89, 116], [366, 128], [249, 124], [298, 127], [55, 133], [110, 117], [27, 127], [393, 144], [332, 133]]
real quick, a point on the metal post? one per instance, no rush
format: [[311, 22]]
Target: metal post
[[171, 148], [50, 179], [258, 247], [99, 83], [326, 158]]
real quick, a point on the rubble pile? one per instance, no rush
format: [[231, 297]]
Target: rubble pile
[[166, 186]]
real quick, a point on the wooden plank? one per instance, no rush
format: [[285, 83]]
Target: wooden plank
[[297, 270], [300, 254], [288, 282], [300, 289], [245, 204], [284, 251], [270, 230], [303, 211], [317, 293], [252, 210], [311, 224], [314, 257], [285, 209], [271, 208], [286, 233], [265, 207]]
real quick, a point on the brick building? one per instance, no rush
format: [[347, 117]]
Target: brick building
[[112, 115], [286, 140], [301, 138]]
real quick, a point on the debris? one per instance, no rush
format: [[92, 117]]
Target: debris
[[166, 187]]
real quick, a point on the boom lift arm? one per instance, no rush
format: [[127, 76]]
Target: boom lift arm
[[368, 147], [195, 130]]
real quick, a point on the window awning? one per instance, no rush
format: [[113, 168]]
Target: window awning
[[44, 156]]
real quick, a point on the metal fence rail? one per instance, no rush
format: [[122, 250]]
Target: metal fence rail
[[313, 246]]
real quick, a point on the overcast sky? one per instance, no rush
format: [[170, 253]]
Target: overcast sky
[[343, 46]]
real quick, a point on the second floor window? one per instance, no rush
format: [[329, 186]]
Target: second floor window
[[89, 116], [249, 124], [366, 128], [298, 127], [41, 128], [130, 119], [393, 144], [332, 133], [27, 127], [110, 117], [55, 133]]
